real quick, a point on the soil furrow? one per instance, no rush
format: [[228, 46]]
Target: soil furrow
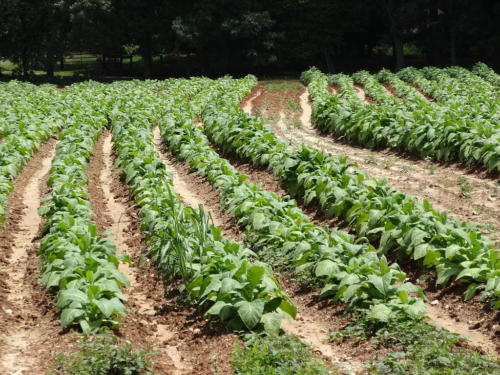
[[313, 327], [360, 92], [184, 342], [471, 318], [29, 324], [475, 321], [470, 196]]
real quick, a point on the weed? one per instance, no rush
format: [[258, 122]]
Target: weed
[[283, 85], [465, 187], [292, 105], [276, 355], [102, 355], [406, 168], [295, 124], [420, 348], [431, 168], [371, 160], [389, 162]]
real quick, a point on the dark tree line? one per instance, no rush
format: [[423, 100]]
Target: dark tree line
[[219, 36]]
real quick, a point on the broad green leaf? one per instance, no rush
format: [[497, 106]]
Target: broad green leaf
[[255, 274], [325, 268], [69, 316], [289, 308], [379, 312], [250, 312], [272, 323]]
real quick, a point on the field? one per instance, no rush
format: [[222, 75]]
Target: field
[[334, 224]]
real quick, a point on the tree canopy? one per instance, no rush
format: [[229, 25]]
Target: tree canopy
[[227, 36]]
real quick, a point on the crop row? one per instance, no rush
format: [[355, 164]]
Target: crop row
[[423, 129], [217, 274], [27, 121], [78, 264], [488, 74], [390, 219], [278, 231], [458, 88], [22, 103]]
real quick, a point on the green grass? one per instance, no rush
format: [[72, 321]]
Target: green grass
[[276, 355], [283, 85], [102, 355], [418, 348]]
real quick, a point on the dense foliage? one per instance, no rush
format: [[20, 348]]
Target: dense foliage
[[390, 219], [79, 264], [222, 36], [29, 115], [468, 133], [218, 275]]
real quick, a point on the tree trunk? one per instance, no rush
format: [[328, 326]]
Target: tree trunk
[[397, 40], [25, 64], [49, 68], [453, 35], [397, 51], [131, 61], [328, 60], [49, 64], [103, 64], [147, 61], [61, 62]]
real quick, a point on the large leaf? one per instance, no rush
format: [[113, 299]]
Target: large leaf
[[250, 312]]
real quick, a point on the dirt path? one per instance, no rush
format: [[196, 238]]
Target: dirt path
[[29, 324], [156, 319], [488, 342], [472, 197], [314, 323], [360, 92]]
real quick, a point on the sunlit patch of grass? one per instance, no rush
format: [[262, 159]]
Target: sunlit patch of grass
[[283, 85]]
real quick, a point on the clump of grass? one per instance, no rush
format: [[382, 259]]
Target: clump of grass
[[294, 124], [102, 355], [371, 160], [431, 168], [406, 168], [465, 187], [276, 355], [389, 162], [292, 105]]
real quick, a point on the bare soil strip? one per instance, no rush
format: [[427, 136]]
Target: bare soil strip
[[423, 94], [29, 324], [195, 190], [471, 319], [360, 91], [313, 327], [184, 342], [469, 195]]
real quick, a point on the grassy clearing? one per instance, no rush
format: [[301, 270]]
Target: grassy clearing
[[279, 85]]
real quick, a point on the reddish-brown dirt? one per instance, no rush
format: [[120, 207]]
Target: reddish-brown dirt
[[474, 321], [29, 323], [422, 94]]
